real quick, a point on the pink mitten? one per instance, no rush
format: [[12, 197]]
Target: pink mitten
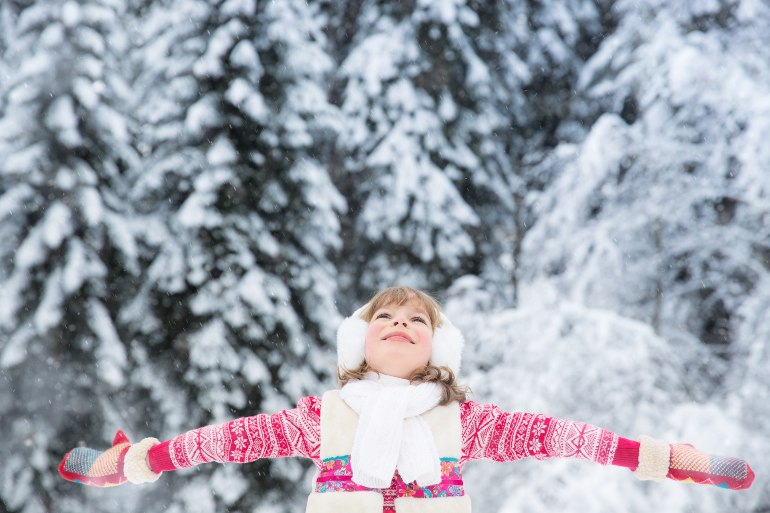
[[120, 463]]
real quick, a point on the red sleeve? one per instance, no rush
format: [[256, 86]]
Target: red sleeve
[[491, 433], [295, 432]]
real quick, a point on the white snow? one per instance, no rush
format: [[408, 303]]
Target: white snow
[[70, 14], [221, 152], [210, 348], [15, 350], [201, 115], [61, 118], [110, 350]]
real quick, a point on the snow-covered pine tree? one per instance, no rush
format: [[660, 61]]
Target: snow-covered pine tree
[[660, 214], [522, 61], [237, 310], [444, 135], [8, 15], [67, 254], [400, 167], [665, 194], [656, 189]]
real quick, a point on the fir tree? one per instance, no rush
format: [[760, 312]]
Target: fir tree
[[444, 136], [408, 221], [68, 254], [237, 308], [658, 186]]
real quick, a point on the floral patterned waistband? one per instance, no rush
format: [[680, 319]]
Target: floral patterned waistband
[[336, 476]]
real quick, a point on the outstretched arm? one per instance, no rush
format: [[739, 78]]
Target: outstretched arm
[[491, 433], [294, 432]]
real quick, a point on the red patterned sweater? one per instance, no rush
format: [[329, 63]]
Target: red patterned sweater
[[487, 433]]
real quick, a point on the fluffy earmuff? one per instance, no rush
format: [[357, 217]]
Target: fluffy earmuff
[[351, 336]]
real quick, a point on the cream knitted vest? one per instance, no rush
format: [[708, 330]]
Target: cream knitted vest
[[338, 430]]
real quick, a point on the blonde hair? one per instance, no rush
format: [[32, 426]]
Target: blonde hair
[[443, 376]]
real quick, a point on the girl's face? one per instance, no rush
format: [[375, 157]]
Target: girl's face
[[399, 339]]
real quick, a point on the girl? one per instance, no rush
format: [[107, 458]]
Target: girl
[[397, 434]]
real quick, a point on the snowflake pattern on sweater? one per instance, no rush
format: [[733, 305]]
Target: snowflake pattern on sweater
[[294, 432], [491, 433], [488, 432]]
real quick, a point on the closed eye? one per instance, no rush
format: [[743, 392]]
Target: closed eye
[[383, 315], [419, 319]]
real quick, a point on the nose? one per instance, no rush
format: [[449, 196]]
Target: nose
[[396, 323]]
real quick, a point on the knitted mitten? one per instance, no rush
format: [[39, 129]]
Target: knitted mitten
[[690, 465], [122, 462], [685, 463]]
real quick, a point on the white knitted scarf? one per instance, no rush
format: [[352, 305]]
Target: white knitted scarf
[[390, 433]]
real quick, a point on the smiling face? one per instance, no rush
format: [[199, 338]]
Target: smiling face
[[399, 339]]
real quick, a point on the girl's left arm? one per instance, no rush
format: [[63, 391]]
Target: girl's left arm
[[491, 433]]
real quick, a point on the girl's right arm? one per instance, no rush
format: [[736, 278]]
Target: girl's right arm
[[294, 432]]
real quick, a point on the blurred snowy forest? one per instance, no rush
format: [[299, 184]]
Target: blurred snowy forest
[[194, 192]]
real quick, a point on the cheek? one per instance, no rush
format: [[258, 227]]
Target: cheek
[[426, 338], [371, 338]]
